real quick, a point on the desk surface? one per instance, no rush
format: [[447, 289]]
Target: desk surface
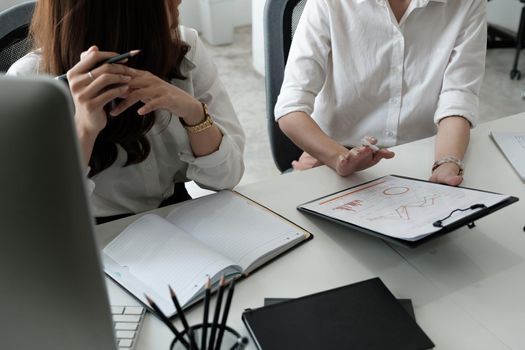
[[468, 287]]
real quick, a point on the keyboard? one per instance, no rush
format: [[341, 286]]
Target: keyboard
[[127, 322]]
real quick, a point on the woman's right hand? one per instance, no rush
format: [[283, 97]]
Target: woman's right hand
[[360, 158], [93, 88]]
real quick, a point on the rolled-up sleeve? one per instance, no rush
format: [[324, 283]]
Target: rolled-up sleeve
[[305, 71], [464, 73], [224, 168]]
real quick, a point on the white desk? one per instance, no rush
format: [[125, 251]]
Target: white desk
[[468, 287]]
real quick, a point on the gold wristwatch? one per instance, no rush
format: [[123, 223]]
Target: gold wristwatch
[[205, 124]]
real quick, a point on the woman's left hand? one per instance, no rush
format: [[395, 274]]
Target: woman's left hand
[[157, 94], [447, 174]]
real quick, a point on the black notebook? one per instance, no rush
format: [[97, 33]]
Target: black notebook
[[360, 316], [405, 303], [404, 210]]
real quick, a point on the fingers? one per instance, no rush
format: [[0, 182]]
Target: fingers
[[300, 166], [89, 59], [111, 69], [153, 105], [103, 83], [91, 49], [142, 95], [108, 96], [384, 153], [372, 140], [306, 161], [84, 87]]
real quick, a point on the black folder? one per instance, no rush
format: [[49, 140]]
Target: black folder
[[360, 316], [478, 211]]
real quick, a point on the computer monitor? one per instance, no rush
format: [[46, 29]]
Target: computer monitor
[[52, 291]]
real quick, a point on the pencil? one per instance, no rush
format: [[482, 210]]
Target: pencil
[[211, 342], [205, 316], [222, 326], [180, 312], [166, 321], [114, 59]]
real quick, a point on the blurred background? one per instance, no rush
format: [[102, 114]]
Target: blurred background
[[233, 33]]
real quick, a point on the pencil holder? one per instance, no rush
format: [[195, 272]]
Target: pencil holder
[[231, 339]]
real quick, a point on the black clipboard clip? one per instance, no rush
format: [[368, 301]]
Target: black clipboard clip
[[439, 223]]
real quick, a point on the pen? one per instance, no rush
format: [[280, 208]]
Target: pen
[[114, 59], [367, 143]]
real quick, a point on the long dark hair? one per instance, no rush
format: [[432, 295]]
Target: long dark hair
[[63, 29]]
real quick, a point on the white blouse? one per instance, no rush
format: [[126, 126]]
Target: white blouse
[[357, 71], [143, 186]]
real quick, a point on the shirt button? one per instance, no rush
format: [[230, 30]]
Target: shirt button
[[396, 69], [389, 133], [394, 101], [149, 167]]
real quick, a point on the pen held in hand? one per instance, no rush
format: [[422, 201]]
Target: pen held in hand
[[114, 59], [367, 143]]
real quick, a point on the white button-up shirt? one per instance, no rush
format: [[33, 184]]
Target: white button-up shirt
[[358, 71], [140, 187]]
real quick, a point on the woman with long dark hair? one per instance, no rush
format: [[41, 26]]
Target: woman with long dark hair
[[147, 124]]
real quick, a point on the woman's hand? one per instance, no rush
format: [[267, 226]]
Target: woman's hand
[[447, 173], [305, 162], [356, 159], [360, 158], [157, 94], [93, 88]]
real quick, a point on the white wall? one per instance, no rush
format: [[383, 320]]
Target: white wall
[[505, 13], [4, 4], [258, 35], [190, 13]]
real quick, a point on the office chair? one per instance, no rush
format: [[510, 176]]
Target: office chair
[[515, 73], [280, 21], [501, 38], [14, 30]]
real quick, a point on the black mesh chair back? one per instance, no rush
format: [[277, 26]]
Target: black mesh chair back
[[280, 21], [14, 29]]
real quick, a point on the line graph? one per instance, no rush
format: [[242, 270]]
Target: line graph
[[403, 212]]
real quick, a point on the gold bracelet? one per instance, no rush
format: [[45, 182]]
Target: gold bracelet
[[205, 124]]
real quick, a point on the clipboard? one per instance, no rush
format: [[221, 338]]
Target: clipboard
[[442, 224]]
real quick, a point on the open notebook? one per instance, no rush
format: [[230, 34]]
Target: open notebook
[[220, 234]]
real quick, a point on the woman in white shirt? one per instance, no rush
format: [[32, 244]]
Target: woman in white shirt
[[147, 129], [393, 69]]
